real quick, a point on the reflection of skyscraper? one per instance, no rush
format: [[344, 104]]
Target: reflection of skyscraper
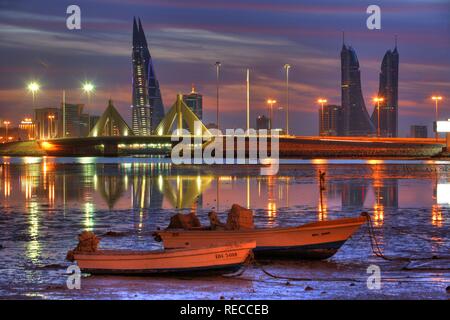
[[388, 90], [147, 104], [353, 195], [387, 194], [356, 119]]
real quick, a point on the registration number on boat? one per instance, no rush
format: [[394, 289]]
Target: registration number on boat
[[226, 255]]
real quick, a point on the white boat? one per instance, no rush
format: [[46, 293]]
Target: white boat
[[317, 240], [222, 258]]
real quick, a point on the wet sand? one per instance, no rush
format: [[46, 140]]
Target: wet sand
[[35, 233]]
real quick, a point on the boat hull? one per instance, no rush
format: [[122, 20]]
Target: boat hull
[[217, 259], [319, 240]]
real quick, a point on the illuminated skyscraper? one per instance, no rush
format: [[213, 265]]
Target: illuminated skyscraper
[[356, 120], [389, 92], [147, 105], [194, 101]]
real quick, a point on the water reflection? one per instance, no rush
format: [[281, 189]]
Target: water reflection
[[92, 186]]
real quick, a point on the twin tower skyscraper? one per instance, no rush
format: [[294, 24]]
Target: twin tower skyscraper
[[147, 104], [355, 120]]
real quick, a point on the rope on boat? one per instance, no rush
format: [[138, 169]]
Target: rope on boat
[[376, 249], [252, 261]]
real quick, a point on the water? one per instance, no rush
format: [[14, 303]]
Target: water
[[46, 202]]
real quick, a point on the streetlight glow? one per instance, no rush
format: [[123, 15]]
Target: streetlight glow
[[88, 87], [33, 87]]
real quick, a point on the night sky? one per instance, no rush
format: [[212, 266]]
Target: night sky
[[186, 38]]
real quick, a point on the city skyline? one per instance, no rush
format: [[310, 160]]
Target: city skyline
[[185, 51]]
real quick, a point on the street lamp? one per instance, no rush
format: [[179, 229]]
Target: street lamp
[[218, 65], [287, 67], [88, 88], [271, 102], [436, 100], [51, 117], [378, 100], [6, 123], [33, 87], [322, 102]]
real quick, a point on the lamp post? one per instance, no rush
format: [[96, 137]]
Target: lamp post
[[287, 67], [378, 100], [33, 87], [6, 123], [271, 102], [436, 100], [218, 65], [322, 102]]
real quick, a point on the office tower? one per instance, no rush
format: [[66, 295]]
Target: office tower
[[331, 120], [388, 90], [194, 101], [262, 122], [72, 120], [419, 131], [147, 105], [356, 120], [47, 121]]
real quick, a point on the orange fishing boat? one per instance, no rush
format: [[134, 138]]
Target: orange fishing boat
[[317, 240], [222, 259]]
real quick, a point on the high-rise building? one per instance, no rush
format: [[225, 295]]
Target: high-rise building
[[388, 90], [356, 119], [147, 105], [72, 120], [262, 123], [48, 122], [331, 120], [419, 131], [194, 101]]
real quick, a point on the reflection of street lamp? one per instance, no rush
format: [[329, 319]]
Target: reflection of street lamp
[[322, 103], [287, 67], [271, 102], [378, 100], [437, 99], [33, 87], [6, 123], [51, 117]]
